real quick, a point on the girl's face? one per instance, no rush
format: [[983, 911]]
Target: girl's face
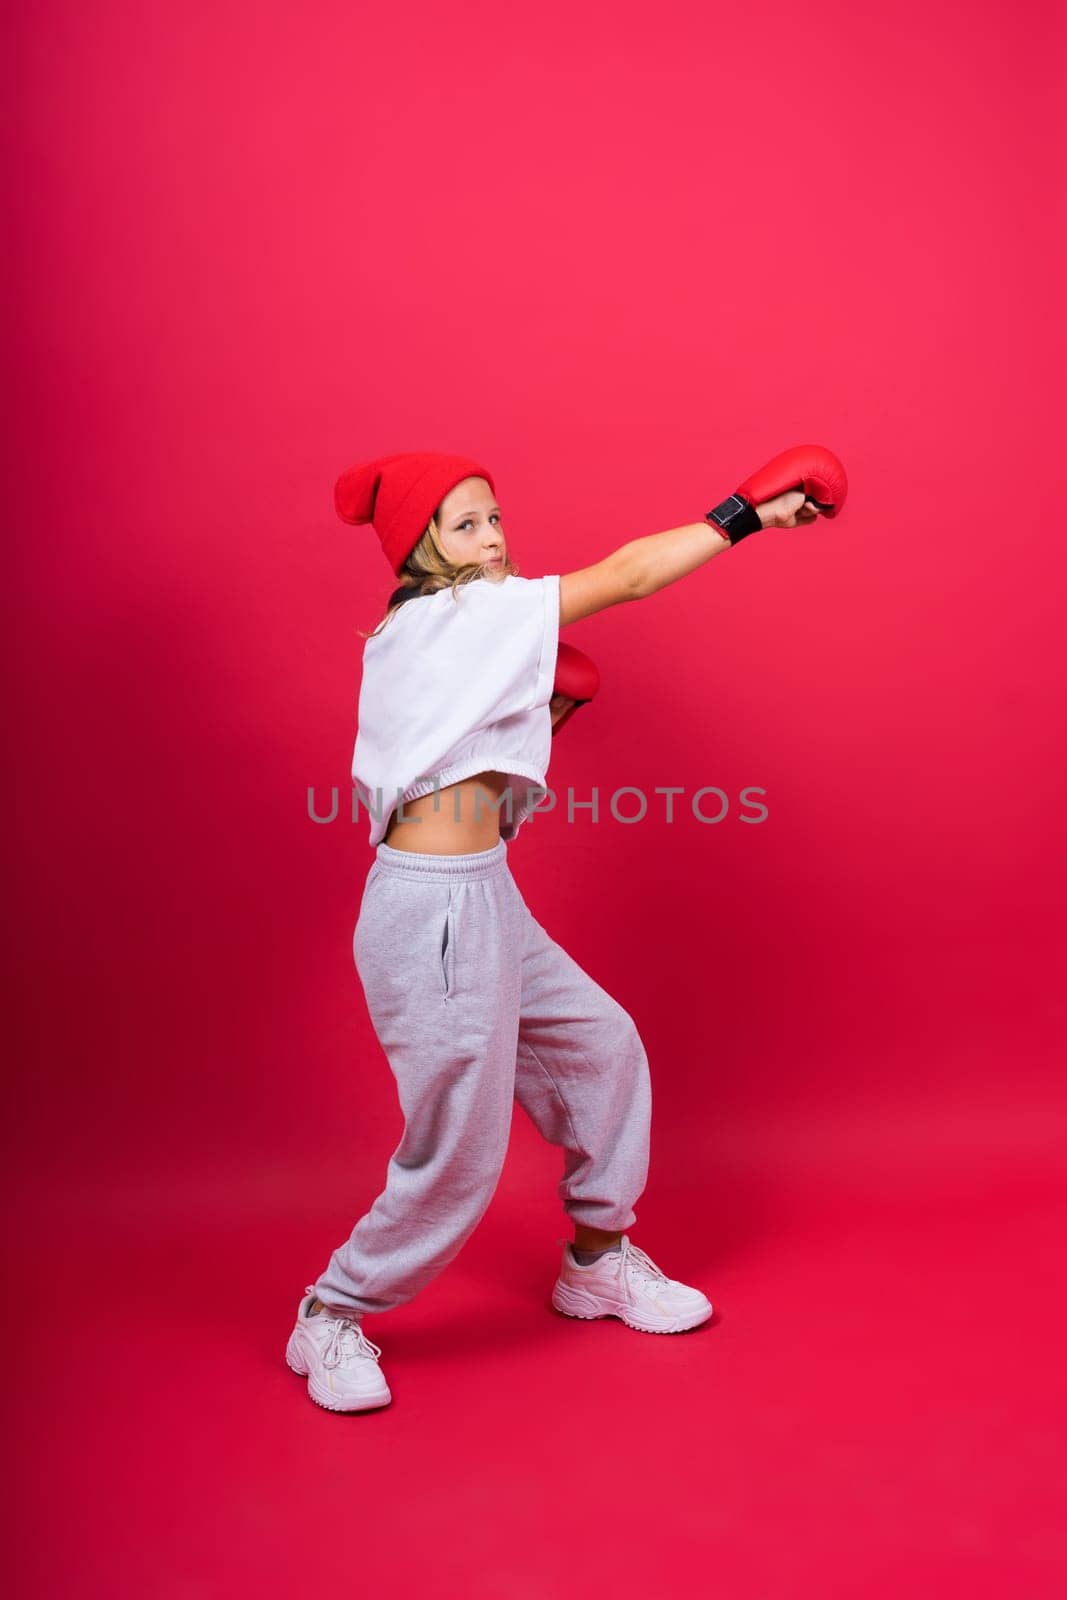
[[470, 526]]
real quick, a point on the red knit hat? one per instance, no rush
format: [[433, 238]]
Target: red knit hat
[[399, 494]]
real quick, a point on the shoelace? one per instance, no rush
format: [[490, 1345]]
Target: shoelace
[[633, 1256], [346, 1338]]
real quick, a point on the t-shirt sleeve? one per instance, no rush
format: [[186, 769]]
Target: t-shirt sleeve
[[546, 664], [495, 649]]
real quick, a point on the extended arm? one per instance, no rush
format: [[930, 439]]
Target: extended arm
[[795, 487]]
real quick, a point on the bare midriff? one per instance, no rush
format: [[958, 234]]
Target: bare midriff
[[457, 820]]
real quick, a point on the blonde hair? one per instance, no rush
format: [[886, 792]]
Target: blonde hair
[[427, 569]]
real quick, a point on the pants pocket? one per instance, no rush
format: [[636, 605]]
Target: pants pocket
[[448, 951]]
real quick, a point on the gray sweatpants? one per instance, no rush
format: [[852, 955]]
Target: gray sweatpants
[[476, 1007]]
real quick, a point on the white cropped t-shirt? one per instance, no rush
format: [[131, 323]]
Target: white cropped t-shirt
[[458, 683]]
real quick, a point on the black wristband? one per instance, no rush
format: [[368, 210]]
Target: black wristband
[[735, 517]]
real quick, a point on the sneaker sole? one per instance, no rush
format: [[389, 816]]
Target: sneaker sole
[[329, 1402], [575, 1302]]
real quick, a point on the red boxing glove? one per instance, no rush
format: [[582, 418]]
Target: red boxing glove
[[810, 467], [577, 679]]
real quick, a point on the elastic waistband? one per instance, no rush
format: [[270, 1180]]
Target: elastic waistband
[[417, 864]]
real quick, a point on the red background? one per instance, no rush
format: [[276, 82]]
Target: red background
[[623, 256]]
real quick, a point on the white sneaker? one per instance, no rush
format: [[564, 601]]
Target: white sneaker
[[338, 1360], [627, 1284]]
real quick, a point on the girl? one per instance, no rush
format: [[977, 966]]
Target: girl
[[473, 1003]]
